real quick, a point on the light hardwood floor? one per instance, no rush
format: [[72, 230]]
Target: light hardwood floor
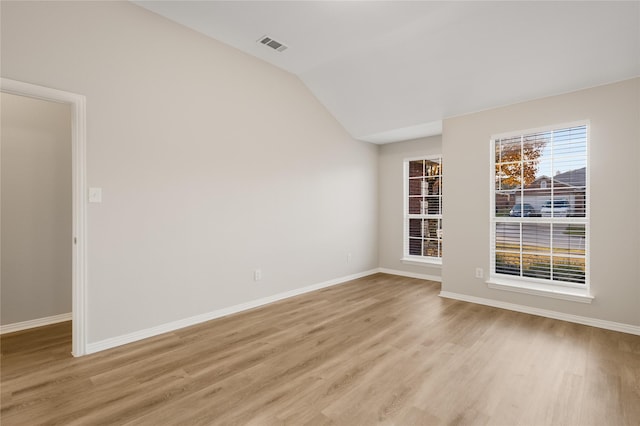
[[378, 350]]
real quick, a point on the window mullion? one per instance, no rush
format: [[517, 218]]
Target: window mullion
[[551, 254], [521, 251], [553, 210], [423, 208], [551, 234]]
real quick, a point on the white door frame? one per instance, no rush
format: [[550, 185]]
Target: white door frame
[[79, 192]]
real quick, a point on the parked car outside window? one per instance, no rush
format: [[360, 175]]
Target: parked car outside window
[[523, 210], [560, 208]]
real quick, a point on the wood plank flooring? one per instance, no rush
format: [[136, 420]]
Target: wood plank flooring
[[379, 350]]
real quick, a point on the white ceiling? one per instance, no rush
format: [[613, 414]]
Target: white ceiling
[[392, 70]]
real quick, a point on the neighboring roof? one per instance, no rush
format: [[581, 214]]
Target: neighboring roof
[[577, 177], [574, 178]]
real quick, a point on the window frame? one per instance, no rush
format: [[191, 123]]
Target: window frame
[[408, 258], [577, 292]]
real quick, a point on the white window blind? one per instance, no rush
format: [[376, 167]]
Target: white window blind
[[540, 209], [423, 209]]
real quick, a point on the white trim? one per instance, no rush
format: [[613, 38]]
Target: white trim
[[405, 213], [545, 290], [425, 261], [186, 322], [39, 322], [422, 157], [542, 129], [593, 322], [78, 153], [540, 287], [410, 274]]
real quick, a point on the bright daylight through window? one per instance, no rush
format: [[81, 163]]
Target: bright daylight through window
[[423, 209], [540, 221]]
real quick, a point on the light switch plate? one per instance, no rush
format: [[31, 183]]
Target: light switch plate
[[95, 195]]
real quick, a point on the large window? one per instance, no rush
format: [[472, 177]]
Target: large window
[[423, 209], [540, 221]]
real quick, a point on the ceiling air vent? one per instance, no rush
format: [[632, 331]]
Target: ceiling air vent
[[275, 45]]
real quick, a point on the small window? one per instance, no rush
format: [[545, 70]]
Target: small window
[[540, 220], [423, 209]]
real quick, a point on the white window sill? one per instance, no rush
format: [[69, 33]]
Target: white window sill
[[540, 289], [422, 261]]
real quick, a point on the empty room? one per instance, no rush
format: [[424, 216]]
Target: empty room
[[320, 213]]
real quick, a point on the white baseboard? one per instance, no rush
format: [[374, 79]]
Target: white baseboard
[[175, 325], [410, 274], [594, 322], [39, 322]]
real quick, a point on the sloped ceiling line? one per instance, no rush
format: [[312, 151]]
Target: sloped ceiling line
[[393, 70]]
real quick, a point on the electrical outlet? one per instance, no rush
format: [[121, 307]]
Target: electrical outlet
[[257, 275], [479, 273]]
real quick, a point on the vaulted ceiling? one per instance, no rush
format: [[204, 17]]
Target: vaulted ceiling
[[393, 70]]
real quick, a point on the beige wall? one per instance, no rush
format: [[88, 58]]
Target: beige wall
[[391, 186], [614, 114], [36, 209], [212, 164]]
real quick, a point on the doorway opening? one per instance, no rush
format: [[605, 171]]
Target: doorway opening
[[78, 197]]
